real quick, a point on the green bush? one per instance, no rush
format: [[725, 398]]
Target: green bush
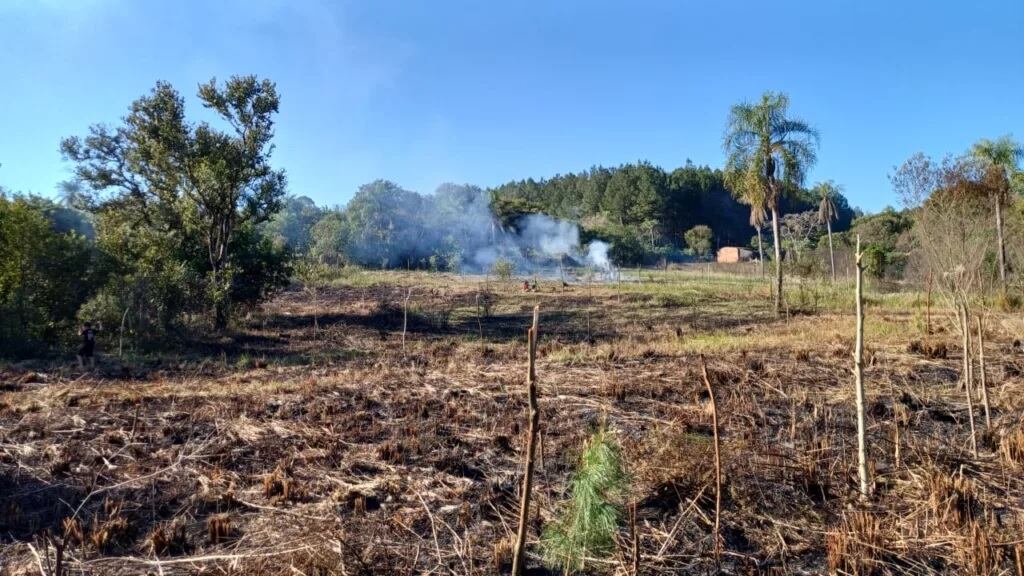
[[503, 269]]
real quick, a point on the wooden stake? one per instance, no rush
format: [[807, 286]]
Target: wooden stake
[[531, 440], [981, 371], [636, 540], [858, 375], [718, 459], [479, 316], [928, 304], [405, 315]]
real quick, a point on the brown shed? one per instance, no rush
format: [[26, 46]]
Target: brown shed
[[734, 254]]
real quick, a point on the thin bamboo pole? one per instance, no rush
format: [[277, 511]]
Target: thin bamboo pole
[[479, 316], [965, 326], [858, 374], [718, 459], [531, 441], [981, 372], [405, 315]]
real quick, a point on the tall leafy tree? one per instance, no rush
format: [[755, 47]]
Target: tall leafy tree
[[194, 180], [770, 150], [38, 298], [827, 193], [292, 224], [999, 158]]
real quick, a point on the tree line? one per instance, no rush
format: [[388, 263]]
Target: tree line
[[170, 223]]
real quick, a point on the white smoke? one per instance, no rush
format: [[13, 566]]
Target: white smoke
[[597, 255], [540, 244], [553, 238], [456, 228]]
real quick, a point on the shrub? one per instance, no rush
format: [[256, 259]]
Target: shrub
[[503, 269]]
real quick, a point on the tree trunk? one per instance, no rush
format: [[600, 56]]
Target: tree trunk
[[220, 316], [858, 374], [999, 238], [760, 251], [778, 261], [221, 301], [120, 338], [831, 253]]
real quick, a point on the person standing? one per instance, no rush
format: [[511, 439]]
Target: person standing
[[88, 349]]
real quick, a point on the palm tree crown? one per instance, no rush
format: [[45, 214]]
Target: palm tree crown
[[1000, 156], [827, 192], [766, 147]]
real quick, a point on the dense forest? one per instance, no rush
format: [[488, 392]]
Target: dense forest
[[640, 209]]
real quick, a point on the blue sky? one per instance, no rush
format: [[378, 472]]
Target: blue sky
[[422, 92]]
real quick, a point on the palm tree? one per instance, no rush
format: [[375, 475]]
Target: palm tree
[[1000, 158], [769, 152], [828, 191], [754, 197]]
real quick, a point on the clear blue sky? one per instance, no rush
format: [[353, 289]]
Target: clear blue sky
[[422, 92]]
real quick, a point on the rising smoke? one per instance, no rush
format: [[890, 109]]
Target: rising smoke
[[455, 228]]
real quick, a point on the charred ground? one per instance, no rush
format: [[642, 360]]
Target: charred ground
[[314, 441]]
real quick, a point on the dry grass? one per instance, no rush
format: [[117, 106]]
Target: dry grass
[[278, 453]]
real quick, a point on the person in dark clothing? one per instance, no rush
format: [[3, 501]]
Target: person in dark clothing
[[88, 348]]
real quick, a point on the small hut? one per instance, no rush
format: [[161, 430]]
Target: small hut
[[729, 254]]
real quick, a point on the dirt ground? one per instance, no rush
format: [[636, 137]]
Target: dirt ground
[[318, 440]]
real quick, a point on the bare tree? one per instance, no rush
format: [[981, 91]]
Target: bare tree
[[951, 212], [799, 230]]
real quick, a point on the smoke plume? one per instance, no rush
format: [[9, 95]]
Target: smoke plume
[[456, 229]]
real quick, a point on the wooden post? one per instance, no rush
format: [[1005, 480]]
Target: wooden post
[[928, 304], [531, 440], [635, 538], [316, 309], [718, 458], [858, 374], [405, 315], [618, 285], [479, 316], [981, 371]]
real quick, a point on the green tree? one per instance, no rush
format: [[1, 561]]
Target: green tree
[[699, 240], [329, 239], [999, 158], [292, 225], [45, 274], [767, 149], [190, 180], [827, 192]]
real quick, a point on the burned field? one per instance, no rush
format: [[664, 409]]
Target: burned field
[[320, 440]]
